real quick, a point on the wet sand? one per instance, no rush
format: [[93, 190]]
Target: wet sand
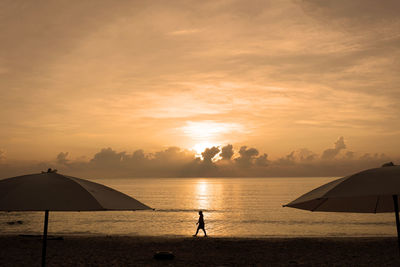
[[200, 251]]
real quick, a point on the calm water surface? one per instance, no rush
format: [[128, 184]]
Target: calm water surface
[[233, 207]]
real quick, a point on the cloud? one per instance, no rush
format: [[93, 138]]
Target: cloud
[[62, 158], [349, 155], [2, 154], [336, 64], [209, 154], [362, 11], [227, 152], [107, 157], [374, 157], [172, 155], [305, 154], [184, 32], [287, 160], [216, 162], [332, 152], [262, 160], [247, 156]]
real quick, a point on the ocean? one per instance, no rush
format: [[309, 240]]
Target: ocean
[[232, 207]]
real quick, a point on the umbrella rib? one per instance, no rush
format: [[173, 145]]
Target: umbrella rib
[[101, 206], [377, 202], [319, 204], [109, 188]]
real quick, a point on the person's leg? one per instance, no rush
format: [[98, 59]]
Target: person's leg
[[196, 231], [204, 230]]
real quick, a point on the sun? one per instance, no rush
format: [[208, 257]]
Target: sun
[[203, 130], [200, 147], [204, 134], [207, 133]]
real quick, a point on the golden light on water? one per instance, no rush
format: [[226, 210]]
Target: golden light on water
[[202, 195]]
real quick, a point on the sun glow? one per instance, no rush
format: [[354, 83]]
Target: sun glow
[[206, 134], [200, 147], [205, 130]]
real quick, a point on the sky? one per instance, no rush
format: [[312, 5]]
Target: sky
[[289, 79]]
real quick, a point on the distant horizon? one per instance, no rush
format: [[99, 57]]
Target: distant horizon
[[217, 161]]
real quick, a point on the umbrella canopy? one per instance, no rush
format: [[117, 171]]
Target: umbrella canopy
[[50, 191], [369, 191], [56, 192]]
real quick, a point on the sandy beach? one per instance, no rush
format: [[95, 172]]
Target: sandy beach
[[200, 251]]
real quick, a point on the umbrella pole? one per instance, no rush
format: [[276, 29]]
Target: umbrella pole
[[46, 221], [396, 211]]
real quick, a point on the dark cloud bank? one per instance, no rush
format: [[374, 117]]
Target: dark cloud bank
[[223, 161]]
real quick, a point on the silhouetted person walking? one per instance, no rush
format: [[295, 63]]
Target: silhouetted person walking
[[200, 223]]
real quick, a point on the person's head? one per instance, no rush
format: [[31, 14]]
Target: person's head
[[200, 212]]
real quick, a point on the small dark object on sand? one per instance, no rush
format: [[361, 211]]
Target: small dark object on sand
[[389, 164], [164, 255], [15, 222]]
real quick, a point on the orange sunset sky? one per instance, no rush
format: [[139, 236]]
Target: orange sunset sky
[[291, 79]]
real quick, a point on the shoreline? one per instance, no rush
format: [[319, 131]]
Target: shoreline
[[169, 236], [82, 250]]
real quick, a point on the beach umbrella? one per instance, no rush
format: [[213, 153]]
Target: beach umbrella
[[51, 191], [370, 191]]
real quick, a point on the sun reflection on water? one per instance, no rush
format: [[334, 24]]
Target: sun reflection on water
[[203, 195]]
